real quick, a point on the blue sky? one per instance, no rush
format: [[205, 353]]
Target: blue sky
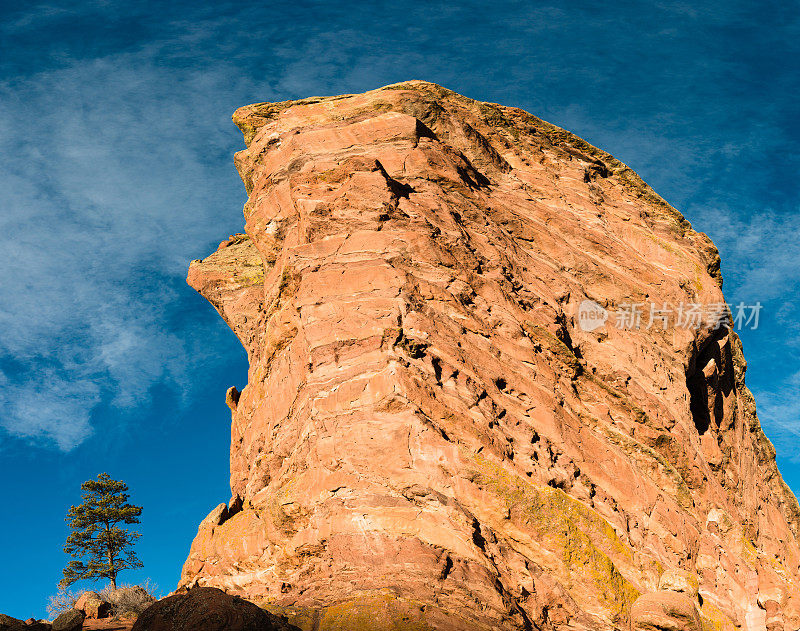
[[116, 170]]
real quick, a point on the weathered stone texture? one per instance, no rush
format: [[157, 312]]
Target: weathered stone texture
[[427, 439]]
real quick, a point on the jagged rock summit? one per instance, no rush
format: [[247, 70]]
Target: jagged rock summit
[[430, 438]]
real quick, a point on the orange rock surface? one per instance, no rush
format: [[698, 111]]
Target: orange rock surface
[[428, 438]]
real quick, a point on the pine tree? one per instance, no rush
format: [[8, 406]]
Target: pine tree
[[100, 546]]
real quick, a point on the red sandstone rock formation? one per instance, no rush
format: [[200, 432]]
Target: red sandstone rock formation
[[427, 438]]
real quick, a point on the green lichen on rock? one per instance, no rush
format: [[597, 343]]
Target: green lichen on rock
[[373, 109], [582, 538], [279, 498], [250, 118], [629, 179], [379, 610], [237, 261], [563, 353], [413, 348], [712, 618]]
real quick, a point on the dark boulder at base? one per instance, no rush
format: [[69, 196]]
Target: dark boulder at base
[[209, 609], [7, 623], [70, 620]]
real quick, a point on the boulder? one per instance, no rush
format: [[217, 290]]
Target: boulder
[[7, 623], [209, 609], [130, 600], [93, 605], [70, 620], [665, 611], [124, 594], [84, 598]]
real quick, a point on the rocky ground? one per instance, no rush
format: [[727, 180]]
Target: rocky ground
[[200, 609], [112, 609]]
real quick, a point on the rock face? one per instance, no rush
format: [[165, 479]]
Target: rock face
[[431, 437]]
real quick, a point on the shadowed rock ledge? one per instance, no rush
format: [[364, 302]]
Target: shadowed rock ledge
[[427, 439]]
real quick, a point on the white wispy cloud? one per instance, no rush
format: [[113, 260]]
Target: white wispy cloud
[[762, 250], [49, 406], [777, 410], [115, 173]]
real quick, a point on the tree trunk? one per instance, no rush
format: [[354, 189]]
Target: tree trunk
[[112, 575]]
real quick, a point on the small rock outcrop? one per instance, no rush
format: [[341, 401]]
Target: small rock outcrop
[[680, 582], [232, 398], [674, 607], [432, 435], [208, 609]]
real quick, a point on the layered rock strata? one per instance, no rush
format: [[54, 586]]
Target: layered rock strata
[[429, 439]]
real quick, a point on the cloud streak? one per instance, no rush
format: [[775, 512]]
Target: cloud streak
[[110, 190]]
